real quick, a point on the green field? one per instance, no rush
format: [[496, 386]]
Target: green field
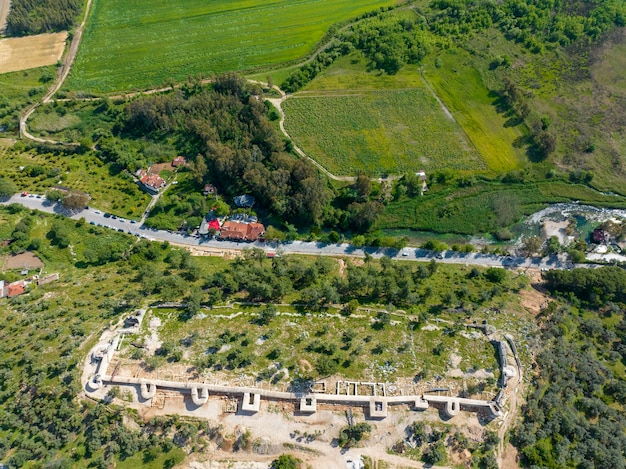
[[349, 120], [141, 44], [17, 91], [460, 86]]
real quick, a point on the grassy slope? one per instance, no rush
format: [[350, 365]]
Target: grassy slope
[[484, 207], [349, 120], [109, 192], [460, 86], [582, 93], [138, 45]]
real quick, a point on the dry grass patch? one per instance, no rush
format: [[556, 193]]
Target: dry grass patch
[[23, 53]]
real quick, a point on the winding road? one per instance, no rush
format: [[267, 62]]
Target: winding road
[[134, 228]]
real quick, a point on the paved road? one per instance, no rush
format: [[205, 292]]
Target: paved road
[[297, 247]]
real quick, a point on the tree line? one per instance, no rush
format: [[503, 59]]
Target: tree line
[[41, 16]]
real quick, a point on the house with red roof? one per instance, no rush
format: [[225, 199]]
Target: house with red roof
[[238, 231], [179, 161], [16, 288]]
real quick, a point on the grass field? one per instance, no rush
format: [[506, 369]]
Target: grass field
[[485, 207], [18, 90], [23, 53], [460, 87], [70, 121], [352, 120], [141, 44]]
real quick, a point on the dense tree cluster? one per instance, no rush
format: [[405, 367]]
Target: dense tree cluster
[[240, 149], [388, 40], [594, 286], [41, 16], [575, 416], [318, 285], [391, 41], [530, 22]]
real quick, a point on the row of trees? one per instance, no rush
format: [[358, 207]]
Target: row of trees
[[318, 284], [41, 16], [389, 41]]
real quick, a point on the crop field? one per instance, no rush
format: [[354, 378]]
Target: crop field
[[379, 131], [141, 44], [460, 87], [23, 53]]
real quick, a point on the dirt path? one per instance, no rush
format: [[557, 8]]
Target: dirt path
[[277, 103], [64, 70], [5, 5]]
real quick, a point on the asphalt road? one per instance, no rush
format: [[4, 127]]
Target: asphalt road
[[33, 201]]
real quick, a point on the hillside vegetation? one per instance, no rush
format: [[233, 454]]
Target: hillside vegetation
[[41, 16], [575, 415]]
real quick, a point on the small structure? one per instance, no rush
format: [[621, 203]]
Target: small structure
[[209, 189], [47, 279], [599, 236], [3, 291], [378, 408], [308, 404], [245, 201], [179, 161], [16, 288], [153, 183], [251, 402], [208, 225], [422, 175]]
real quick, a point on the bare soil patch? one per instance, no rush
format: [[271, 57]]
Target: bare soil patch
[[5, 5], [509, 457], [20, 261], [22, 53], [157, 168], [534, 299]]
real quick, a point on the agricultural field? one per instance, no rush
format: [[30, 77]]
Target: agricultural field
[[37, 172], [353, 120], [140, 45], [459, 85], [23, 53]]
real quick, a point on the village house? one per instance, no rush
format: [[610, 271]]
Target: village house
[[19, 287], [208, 225], [599, 236], [237, 231], [179, 161], [153, 183], [16, 288]]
